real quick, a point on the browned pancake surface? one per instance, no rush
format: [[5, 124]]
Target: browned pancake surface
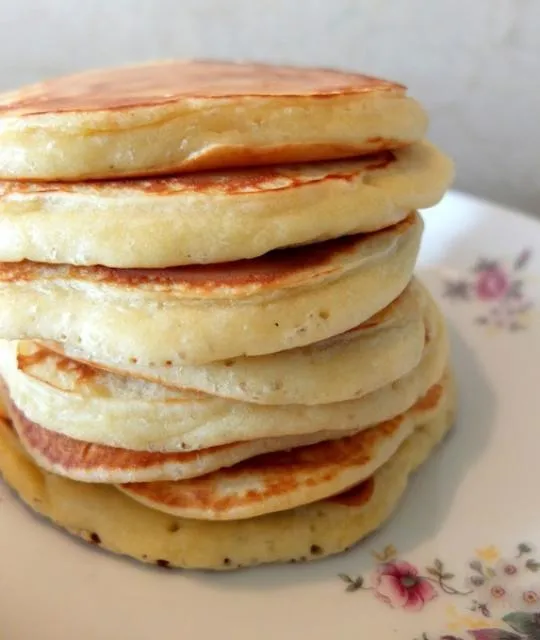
[[168, 82], [282, 471], [269, 270], [276, 473], [356, 496], [69, 453], [228, 182]]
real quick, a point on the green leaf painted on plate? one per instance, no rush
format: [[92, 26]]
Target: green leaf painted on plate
[[524, 548], [525, 623], [476, 565], [532, 565], [345, 577]]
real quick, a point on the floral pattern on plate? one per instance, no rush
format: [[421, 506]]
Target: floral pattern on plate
[[499, 287], [499, 597]]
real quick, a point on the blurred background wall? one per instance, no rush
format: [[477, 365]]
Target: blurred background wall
[[475, 64]]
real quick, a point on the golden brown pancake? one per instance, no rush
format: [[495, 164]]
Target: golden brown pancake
[[105, 517], [284, 268], [177, 115], [166, 82], [288, 479], [91, 462], [214, 217], [88, 404], [204, 313], [351, 364]]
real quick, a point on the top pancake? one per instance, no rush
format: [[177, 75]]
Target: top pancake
[[190, 115]]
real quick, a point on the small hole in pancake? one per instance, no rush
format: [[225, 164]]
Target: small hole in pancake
[[95, 538], [173, 527], [276, 324], [226, 561], [168, 363], [315, 550], [133, 360], [229, 363], [163, 563], [324, 315], [144, 556]]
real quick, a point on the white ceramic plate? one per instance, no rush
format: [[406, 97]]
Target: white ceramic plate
[[458, 557]]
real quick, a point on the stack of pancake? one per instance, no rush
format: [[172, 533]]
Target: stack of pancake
[[214, 352]]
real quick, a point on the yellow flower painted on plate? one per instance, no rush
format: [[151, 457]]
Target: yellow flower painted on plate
[[460, 622], [488, 554]]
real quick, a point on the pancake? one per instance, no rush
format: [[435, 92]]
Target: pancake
[[183, 115], [215, 217], [4, 407], [350, 365], [102, 515], [87, 404], [287, 479], [88, 462], [197, 314]]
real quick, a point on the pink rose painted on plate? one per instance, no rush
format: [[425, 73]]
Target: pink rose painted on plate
[[498, 287], [492, 284], [399, 585], [500, 602]]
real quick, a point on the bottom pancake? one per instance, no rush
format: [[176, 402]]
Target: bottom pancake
[[104, 516]]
